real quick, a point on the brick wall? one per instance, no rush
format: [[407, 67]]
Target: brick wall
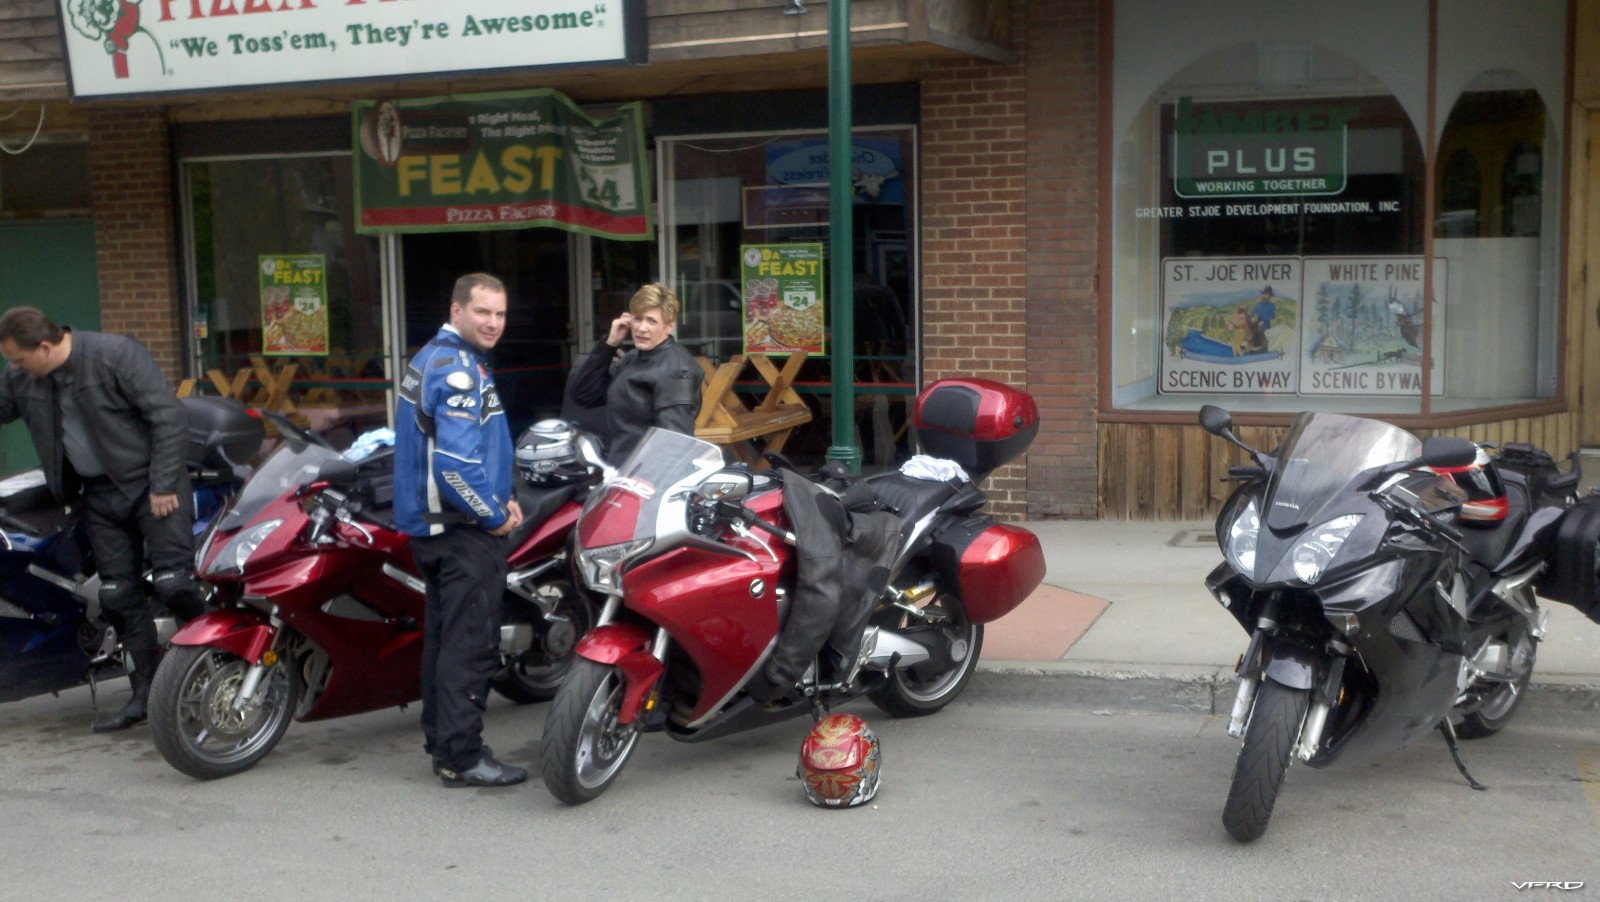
[[1009, 168], [974, 242], [135, 244], [1063, 203]]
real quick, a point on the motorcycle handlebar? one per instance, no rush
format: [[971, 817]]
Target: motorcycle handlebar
[[1450, 533], [748, 517]]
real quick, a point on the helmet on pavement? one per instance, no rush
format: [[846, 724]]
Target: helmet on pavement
[[839, 762]]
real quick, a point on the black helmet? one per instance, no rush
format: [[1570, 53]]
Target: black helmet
[[547, 454]]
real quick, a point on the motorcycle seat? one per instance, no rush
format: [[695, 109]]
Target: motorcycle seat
[[1490, 544], [539, 503], [908, 498]]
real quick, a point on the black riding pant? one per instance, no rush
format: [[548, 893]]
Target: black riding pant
[[465, 569], [127, 537]]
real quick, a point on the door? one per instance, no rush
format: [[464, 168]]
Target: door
[[531, 359], [49, 264], [1589, 296]]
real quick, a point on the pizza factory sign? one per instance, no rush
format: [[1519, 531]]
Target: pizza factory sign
[[135, 47]]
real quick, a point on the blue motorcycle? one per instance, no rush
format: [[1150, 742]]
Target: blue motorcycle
[[51, 634]]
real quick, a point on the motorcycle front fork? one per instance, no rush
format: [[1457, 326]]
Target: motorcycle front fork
[[251, 684], [1325, 695]]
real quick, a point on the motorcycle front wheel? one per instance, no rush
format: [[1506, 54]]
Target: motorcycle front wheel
[[1263, 761], [192, 717], [584, 747], [922, 689], [536, 674]]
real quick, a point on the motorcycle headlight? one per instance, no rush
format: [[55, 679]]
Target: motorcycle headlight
[[1242, 534], [598, 566], [231, 559], [1314, 553]]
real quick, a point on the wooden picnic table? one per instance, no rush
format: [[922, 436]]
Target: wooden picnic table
[[270, 385], [725, 418]]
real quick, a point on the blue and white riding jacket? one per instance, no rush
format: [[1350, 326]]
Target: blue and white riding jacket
[[453, 455]]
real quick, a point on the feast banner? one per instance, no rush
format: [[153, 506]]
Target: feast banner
[[500, 161], [784, 310], [294, 304]]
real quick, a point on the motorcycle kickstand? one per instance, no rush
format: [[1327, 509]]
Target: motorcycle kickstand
[[818, 709], [1449, 731]]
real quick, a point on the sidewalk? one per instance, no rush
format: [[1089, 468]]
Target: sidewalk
[[1124, 621]]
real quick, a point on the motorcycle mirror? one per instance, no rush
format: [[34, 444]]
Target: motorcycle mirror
[[726, 485], [1215, 420], [1219, 423], [1447, 451]]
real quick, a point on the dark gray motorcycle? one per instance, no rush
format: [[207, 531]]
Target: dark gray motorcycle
[[1388, 587]]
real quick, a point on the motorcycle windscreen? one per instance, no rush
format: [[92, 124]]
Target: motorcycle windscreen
[[625, 508], [1322, 454], [292, 464]]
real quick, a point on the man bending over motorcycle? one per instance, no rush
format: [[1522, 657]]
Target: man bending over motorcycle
[[107, 425]]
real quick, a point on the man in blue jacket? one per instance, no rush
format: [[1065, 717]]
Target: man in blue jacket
[[453, 496]]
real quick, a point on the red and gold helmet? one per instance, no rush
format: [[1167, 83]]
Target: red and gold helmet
[[839, 762]]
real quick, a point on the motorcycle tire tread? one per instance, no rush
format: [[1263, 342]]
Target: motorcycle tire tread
[[1264, 758], [563, 732]]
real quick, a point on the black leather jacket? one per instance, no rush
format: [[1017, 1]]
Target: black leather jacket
[[658, 387], [138, 428]]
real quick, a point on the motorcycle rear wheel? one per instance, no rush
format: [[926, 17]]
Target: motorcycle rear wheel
[[1500, 702], [906, 694], [536, 674], [1263, 761], [192, 718], [584, 747]]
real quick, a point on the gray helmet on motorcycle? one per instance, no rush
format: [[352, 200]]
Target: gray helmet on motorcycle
[[546, 455], [839, 762]]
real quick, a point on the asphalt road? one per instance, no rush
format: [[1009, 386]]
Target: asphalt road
[[994, 798]]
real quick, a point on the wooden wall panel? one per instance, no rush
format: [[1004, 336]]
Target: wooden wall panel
[[1173, 472]]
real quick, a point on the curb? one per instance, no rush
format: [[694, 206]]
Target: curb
[[1110, 688]]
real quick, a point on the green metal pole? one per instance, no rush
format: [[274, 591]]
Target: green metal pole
[[841, 238]]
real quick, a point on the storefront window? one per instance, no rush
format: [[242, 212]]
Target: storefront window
[[280, 279], [1271, 241], [1502, 72], [727, 200]]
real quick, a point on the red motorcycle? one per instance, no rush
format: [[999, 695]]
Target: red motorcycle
[[318, 606], [699, 564]]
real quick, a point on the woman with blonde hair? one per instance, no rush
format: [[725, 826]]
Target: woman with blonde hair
[[655, 384]]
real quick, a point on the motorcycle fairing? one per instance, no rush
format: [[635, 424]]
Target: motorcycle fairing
[[1403, 628], [627, 646], [240, 632], [705, 603]]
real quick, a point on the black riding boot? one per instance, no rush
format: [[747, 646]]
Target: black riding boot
[[144, 672]]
